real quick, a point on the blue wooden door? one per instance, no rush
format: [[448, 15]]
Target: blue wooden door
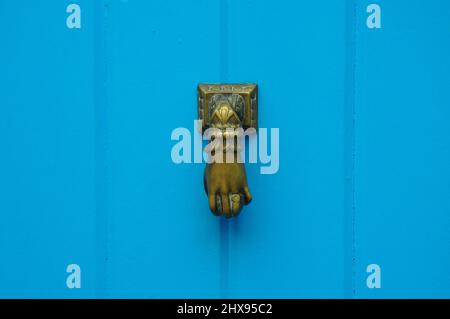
[[48, 149], [402, 149], [358, 207]]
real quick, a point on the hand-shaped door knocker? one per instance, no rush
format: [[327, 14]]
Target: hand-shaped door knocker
[[226, 110]]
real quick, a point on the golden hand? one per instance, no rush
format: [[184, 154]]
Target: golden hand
[[226, 187]]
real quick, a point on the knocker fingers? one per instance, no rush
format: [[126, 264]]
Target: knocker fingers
[[247, 195], [212, 204], [236, 203], [226, 205]]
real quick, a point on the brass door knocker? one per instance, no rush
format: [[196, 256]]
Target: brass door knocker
[[226, 110]]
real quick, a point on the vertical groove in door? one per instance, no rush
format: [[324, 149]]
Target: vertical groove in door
[[349, 151], [101, 145], [224, 227]]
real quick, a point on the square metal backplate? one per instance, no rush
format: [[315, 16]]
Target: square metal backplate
[[248, 91]]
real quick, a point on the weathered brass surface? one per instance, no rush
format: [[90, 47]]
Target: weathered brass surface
[[227, 109]]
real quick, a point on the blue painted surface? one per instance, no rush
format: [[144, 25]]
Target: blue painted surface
[[86, 175], [47, 129], [402, 165]]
